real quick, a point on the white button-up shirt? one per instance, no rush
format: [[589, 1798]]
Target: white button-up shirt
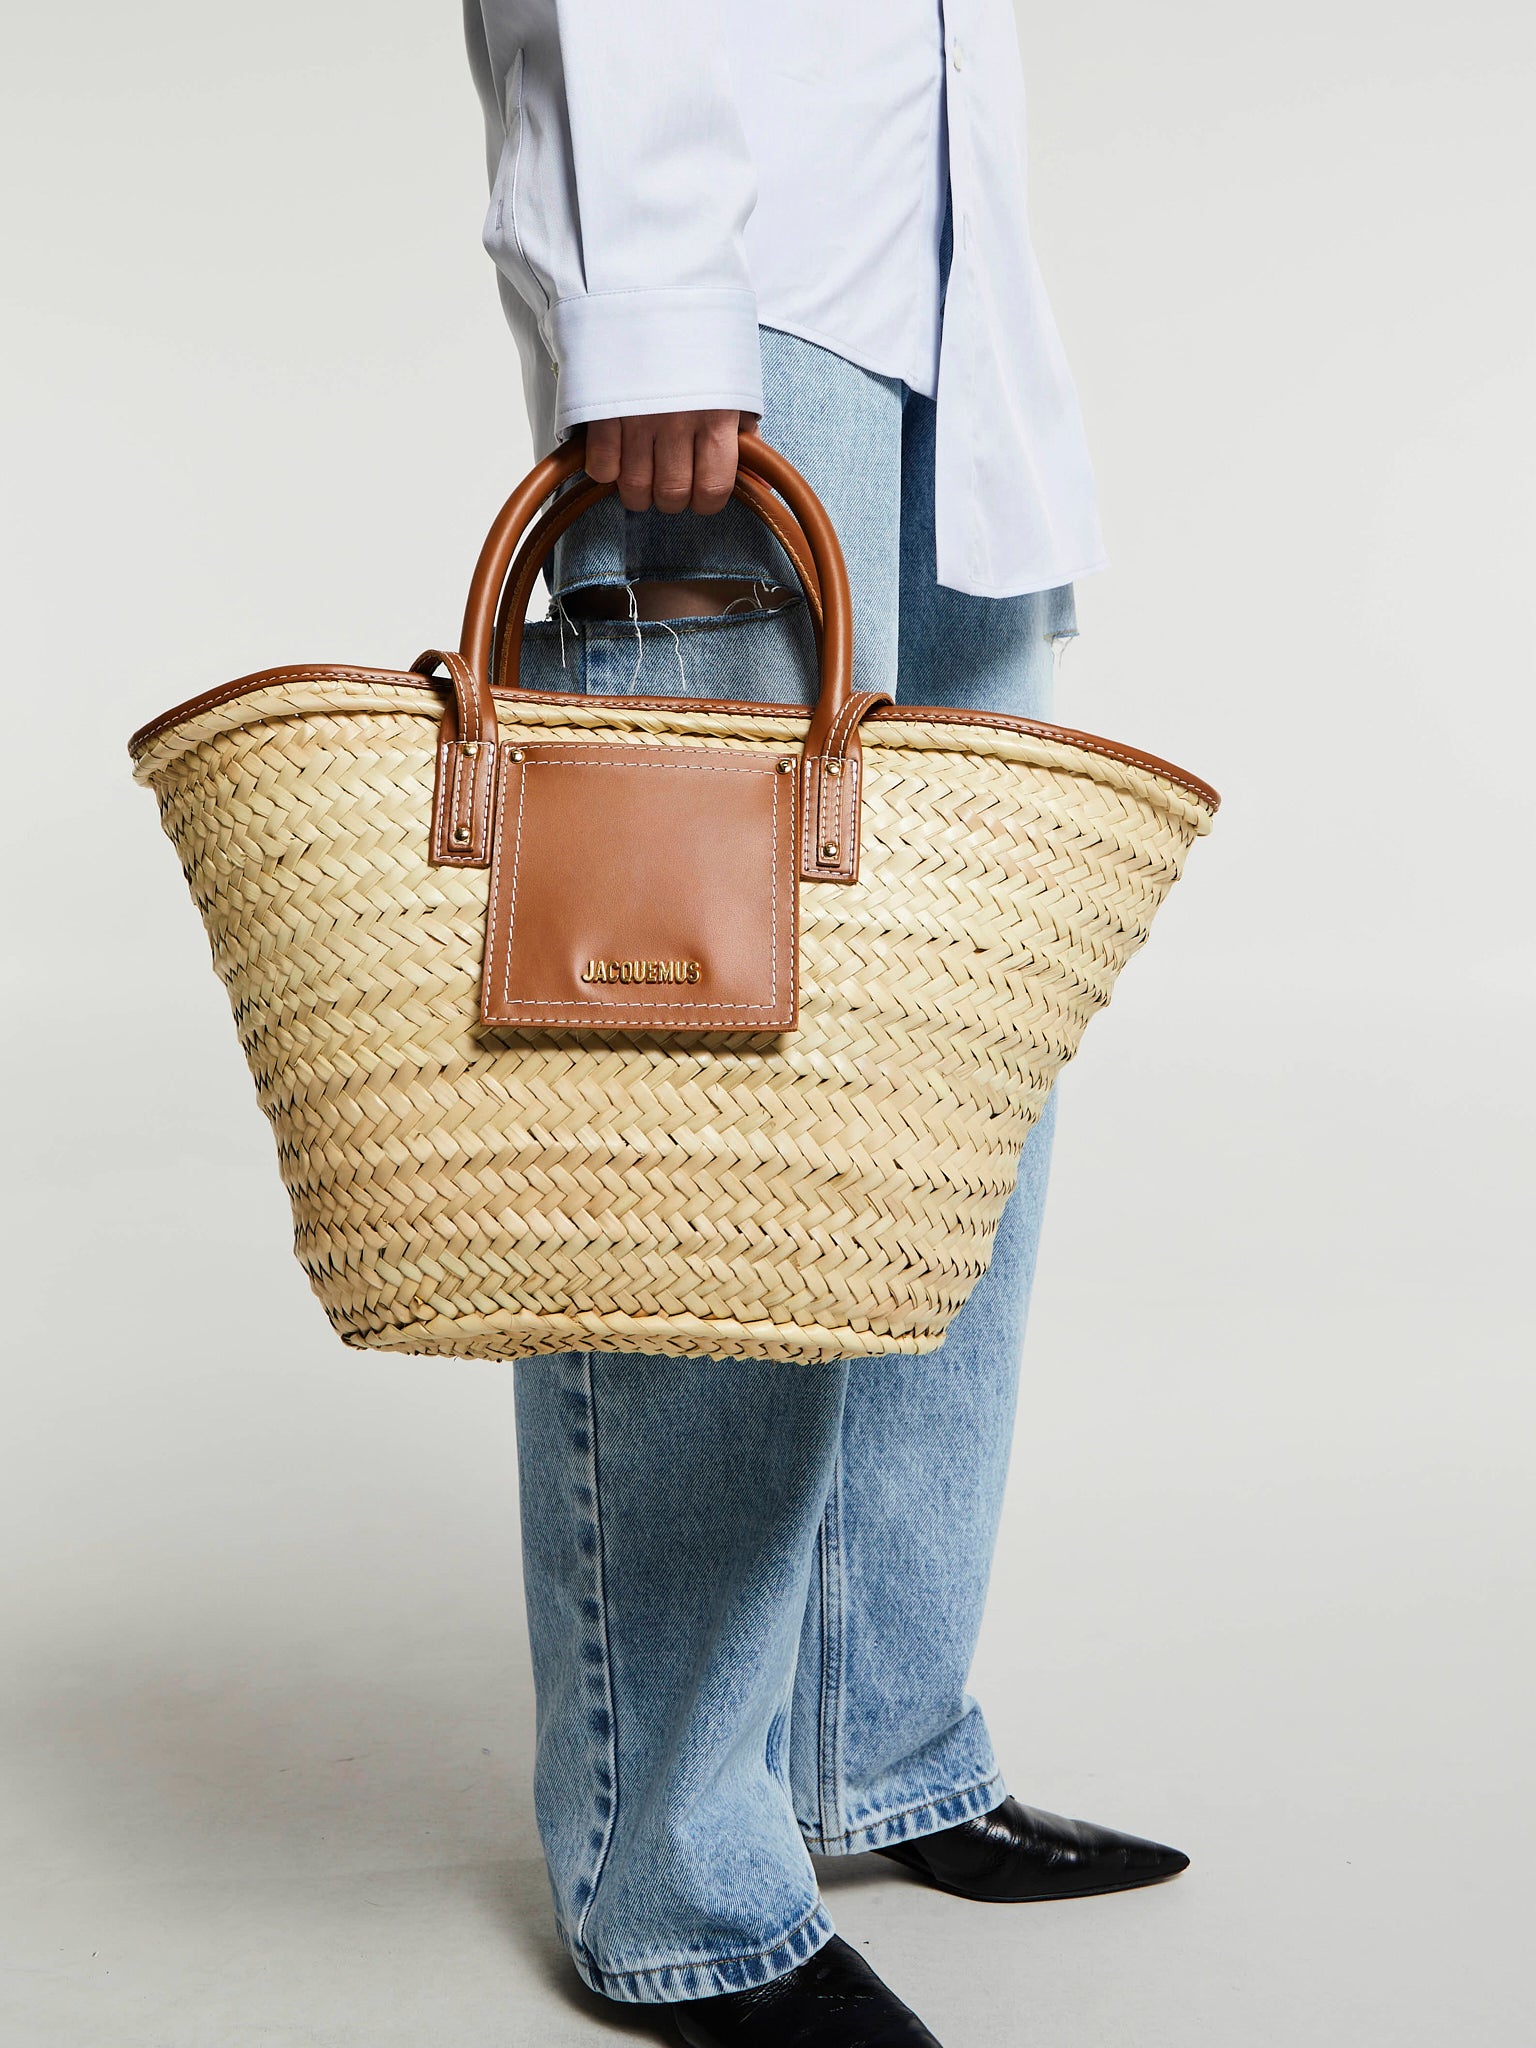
[[668, 174]]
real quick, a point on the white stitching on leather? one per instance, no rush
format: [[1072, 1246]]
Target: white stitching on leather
[[843, 825], [444, 853], [493, 935], [834, 737], [485, 793], [459, 759], [844, 866], [458, 671], [849, 711], [753, 768], [860, 702], [517, 855], [843, 728], [509, 1001], [829, 808], [439, 811], [794, 888]]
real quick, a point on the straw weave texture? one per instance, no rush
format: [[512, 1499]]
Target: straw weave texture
[[494, 1194]]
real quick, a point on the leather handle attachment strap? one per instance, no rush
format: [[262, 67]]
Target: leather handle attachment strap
[[829, 837], [466, 766]]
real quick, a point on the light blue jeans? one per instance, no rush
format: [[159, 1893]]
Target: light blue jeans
[[754, 1590]]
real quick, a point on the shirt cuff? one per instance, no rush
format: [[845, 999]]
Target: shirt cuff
[[682, 350]]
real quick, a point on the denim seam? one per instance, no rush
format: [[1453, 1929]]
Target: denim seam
[[829, 1761], [830, 1845], [642, 1973], [600, 1578]]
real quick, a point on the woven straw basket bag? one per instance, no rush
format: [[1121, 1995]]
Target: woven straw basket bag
[[652, 1024]]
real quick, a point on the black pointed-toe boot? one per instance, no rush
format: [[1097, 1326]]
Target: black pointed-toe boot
[[833, 2001], [1016, 1852]]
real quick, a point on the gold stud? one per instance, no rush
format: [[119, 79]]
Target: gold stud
[[834, 767], [514, 753], [786, 767], [472, 748], [461, 835], [829, 849]]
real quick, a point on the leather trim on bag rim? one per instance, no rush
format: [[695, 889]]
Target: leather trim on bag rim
[[906, 714]]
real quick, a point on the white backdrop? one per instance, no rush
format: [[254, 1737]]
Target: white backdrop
[[1264, 1583]]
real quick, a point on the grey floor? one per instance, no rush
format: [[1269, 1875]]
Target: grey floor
[[277, 1820], [266, 1716]]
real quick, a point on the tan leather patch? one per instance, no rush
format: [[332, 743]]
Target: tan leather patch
[[640, 888]]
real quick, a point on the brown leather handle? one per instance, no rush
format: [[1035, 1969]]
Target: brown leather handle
[[574, 504], [758, 459]]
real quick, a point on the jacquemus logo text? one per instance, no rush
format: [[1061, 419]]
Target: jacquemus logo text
[[641, 970]]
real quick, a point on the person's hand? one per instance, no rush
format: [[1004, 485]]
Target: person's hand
[[676, 461]]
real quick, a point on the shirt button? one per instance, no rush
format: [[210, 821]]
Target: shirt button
[[957, 56]]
